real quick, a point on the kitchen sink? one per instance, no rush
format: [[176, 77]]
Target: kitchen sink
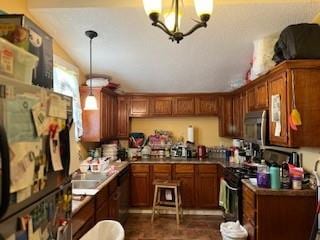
[[91, 176], [85, 187]]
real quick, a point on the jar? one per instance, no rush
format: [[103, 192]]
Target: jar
[[297, 182]]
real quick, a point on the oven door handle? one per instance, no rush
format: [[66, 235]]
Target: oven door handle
[[231, 188]]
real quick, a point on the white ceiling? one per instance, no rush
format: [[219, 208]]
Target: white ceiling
[[142, 59]]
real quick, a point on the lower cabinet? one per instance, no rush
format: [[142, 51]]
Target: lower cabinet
[[207, 186], [114, 200], [140, 185], [278, 217], [199, 188], [83, 220]]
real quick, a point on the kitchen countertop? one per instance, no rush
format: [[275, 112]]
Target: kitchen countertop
[[77, 205], [278, 192]]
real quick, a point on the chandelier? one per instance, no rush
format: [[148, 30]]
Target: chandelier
[[171, 24]]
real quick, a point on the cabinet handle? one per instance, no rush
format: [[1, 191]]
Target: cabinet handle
[[117, 195]]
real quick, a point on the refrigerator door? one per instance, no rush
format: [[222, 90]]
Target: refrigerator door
[[45, 219], [4, 175], [30, 165]]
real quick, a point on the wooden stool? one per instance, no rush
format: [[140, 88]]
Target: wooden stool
[[158, 204]]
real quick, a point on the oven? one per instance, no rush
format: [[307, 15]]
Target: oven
[[233, 190]]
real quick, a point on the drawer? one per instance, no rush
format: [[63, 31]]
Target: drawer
[[112, 186], [162, 168], [207, 168], [184, 168], [140, 168], [102, 196]]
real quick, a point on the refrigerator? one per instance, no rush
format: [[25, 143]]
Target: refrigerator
[[35, 181]]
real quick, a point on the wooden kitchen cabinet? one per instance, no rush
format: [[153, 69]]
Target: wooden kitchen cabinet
[[206, 105], [83, 220], [267, 216], [160, 106], [226, 127], [102, 205], [257, 96], [185, 173], [140, 185], [159, 172], [183, 106], [238, 115], [278, 86], [113, 200], [99, 125], [139, 106], [206, 186], [123, 128]]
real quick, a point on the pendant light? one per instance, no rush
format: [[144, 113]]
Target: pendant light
[[171, 23], [91, 101]]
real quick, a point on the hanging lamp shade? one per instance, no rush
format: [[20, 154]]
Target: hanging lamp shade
[[91, 101]]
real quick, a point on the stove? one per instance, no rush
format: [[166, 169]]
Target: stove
[[233, 176]]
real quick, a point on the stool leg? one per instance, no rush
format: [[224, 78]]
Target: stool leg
[[154, 202], [180, 203], [177, 204]]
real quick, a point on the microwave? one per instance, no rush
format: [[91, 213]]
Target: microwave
[[256, 127]]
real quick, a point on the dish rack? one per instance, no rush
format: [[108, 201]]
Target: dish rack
[[94, 165]]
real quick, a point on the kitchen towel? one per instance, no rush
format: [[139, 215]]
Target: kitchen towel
[[223, 195]]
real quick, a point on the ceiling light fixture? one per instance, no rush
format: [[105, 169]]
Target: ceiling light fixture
[[91, 101], [171, 24]]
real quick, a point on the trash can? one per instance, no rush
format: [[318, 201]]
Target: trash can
[[105, 230], [233, 231]]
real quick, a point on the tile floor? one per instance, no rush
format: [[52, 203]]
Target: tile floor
[[139, 227]]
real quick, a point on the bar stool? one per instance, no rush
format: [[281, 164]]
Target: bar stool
[[175, 204]]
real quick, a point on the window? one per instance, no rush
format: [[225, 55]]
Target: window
[[66, 82]]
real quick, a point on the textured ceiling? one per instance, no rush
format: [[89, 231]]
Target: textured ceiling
[[142, 59]]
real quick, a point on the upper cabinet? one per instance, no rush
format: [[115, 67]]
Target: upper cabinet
[[299, 80], [101, 124], [226, 127], [183, 106], [139, 106], [238, 112], [257, 96], [206, 105], [160, 106], [123, 117]]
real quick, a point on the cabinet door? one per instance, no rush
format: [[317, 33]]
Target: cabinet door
[[206, 105], [185, 173], [83, 220], [261, 95], [91, 118], [251, 99], [123, 118], [160, 172], [206, 186], [105, 115], [139, 106], [102, 212], [278, 87], [183, 106], [226, 127], [237, 115], [160, 106], [140, 185]]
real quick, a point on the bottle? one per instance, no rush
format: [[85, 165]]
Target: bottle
[[275, 176], [285, 178]]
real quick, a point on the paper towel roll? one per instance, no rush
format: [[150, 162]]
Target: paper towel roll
[[190, 137]]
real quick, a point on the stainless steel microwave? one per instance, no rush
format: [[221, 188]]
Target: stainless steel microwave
[[255, 127]]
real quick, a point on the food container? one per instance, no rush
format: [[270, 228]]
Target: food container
[[15, 62], [296, 182], [96, 165], [263, 179]]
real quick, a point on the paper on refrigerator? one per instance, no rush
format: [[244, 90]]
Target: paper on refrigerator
[[55, 153], [22, 164], [57, 106], [74, 151]]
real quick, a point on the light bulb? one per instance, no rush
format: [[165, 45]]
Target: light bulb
[[203, 7], [90, 103], [170, 19], [152, 6]]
